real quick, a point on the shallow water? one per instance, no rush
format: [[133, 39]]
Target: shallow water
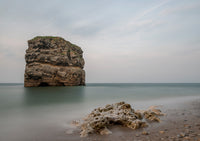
[[45, 112]]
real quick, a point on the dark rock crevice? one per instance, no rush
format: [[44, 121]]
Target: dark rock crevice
[[43, 84]]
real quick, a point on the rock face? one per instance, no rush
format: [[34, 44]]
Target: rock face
[[118, 113], [53, 61]]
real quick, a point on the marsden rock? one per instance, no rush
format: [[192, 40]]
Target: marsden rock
[[53, 61]]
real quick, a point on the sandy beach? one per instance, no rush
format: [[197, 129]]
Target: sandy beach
[[181, 122]]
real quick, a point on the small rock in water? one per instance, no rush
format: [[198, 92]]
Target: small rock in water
[[75, 122], [178, 136], [182, 134], [137, 135], [191, 131], [197, 124], [161, 132], [187, 138], [152, 113], [145, 133]]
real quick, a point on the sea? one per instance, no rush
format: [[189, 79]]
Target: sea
[[45, 113]]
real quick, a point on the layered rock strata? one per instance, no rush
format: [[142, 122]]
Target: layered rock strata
[[53, 61]]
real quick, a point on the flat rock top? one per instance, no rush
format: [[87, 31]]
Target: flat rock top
[[50, 42]]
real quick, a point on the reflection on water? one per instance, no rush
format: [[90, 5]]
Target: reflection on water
[[37, 113], [16, 96], [53, 95]]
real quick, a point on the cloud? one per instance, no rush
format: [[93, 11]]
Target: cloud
[[123, 41], [181, 8]]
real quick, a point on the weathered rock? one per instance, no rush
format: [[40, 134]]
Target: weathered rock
[[145, 133], [119, 113], [151, 114], [161, 132], [53, 61]]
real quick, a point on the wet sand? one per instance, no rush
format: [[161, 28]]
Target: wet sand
[[181, 122]]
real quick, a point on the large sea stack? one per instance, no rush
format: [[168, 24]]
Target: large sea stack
[[53, 61]]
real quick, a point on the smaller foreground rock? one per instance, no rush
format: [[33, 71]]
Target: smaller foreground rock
[[119, 113]]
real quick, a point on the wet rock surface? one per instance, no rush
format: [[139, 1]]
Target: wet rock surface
[[53, 61], [120, 113]]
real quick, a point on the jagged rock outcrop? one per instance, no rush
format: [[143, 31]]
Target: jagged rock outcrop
[[53, 61], [118, 113]]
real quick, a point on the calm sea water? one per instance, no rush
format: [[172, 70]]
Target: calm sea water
[[43, 113]]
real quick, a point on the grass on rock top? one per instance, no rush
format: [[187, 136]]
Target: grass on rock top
[[46, 37], [56, 38]]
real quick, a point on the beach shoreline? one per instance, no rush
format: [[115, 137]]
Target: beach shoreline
[[177, 124]]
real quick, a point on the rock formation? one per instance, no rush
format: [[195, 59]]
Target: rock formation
[[53, 61], [119, 113]]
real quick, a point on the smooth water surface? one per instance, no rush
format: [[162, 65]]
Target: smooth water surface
[[40, 113]]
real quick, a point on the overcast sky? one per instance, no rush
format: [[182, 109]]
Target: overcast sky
[[123, 40]]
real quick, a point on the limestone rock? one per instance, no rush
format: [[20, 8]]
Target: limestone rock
[[152, 113], [53, 61], [119, 113]]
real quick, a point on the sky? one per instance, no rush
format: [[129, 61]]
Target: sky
[[124, 41]]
